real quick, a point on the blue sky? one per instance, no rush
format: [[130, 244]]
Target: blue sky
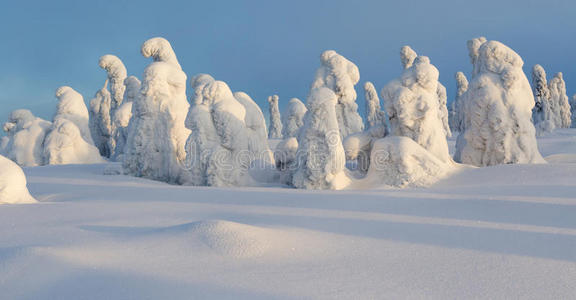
[[266, 47]]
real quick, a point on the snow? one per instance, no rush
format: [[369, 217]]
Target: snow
[[275, 128], [13, 184], [543, 116], [497, 111], [500, 232], [561, 105], [64, 145], [122, 116], [256, 130], [456, 112], [157, 136], [25, 139], [573, 110], [293, 118], [341, 75], [71, 107], [117, 74], [101, 121]]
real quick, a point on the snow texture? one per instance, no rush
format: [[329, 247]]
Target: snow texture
[[275, 130], [320, 159], [101, 122], [293, 118], [340, 75], [456, 112], [71, 107], [497, 111], [157, 136], [218, 147], [413, 108], [13, 183], [122, 116], [560, 101], [25, 138]]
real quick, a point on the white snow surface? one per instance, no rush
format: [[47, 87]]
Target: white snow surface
[[497, 111], [157, 135], [13, 184], [500, 232], [25, 138]]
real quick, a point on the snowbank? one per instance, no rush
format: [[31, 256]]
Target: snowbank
[[157, 136], [26, 135], [497, 111], [340, 75], [13, 183]]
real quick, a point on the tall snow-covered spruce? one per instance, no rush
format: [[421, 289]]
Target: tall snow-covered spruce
[[497, 110], [560, 101], [157, 136], [100, 120], [275, 128], [542, 114], [340, 75], [122, 116]]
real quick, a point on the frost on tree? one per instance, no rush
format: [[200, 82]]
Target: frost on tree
[[358, 146], [100, 120], [293, 118], [13, 183], [256, 131], [456, 112], [122, 116], [413, 107], [71, 107], [64, 145], [320, 159], [218, 150], [542, 114], [275, 130], [156, 140], [560, 101], [340, 75], [25, 136], [497, 111]]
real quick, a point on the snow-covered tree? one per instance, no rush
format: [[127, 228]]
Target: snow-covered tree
[[255, 130], [26, 135], [497, 110], [542, 113], [117, 73], [340, 75], [293, 118], [407, 56], [218, 147], [560, 101], [374, 114], [157, 136], [275, 129], [456, 111], [101, 121], [64, 145], [413, 108], [13, 183], [473, 51], [573, 110], [71, 107], [122, 116], [320, 161], [443, 111]]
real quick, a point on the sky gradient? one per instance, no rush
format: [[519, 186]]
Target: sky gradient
[[266, 47]]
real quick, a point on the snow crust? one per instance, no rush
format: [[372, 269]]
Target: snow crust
[[25, 138], [497, 110], [340, 75], [155, 147]]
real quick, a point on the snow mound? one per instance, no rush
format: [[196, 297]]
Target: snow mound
[[13, 183], [400, 162], [229, 238]]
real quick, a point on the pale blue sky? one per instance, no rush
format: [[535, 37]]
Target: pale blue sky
[[266, 47]]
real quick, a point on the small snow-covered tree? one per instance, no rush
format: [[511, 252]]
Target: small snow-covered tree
[[293, 118], [456, 113], [413, 107], [320, 160], [156, 140], [218, 147], [407, 56], [100, 120], [542, 113], [256, 130], [560, 101], [64, 145], [340, 75], [71, 107], [275, 129], [117, 73], [26, 136], [443, 111], [374, 114], [122, 116], [497, 111]]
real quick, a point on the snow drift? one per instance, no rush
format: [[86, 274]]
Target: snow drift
[[497, 110]]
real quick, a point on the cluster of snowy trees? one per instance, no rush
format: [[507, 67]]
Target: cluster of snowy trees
[[220, 137]]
